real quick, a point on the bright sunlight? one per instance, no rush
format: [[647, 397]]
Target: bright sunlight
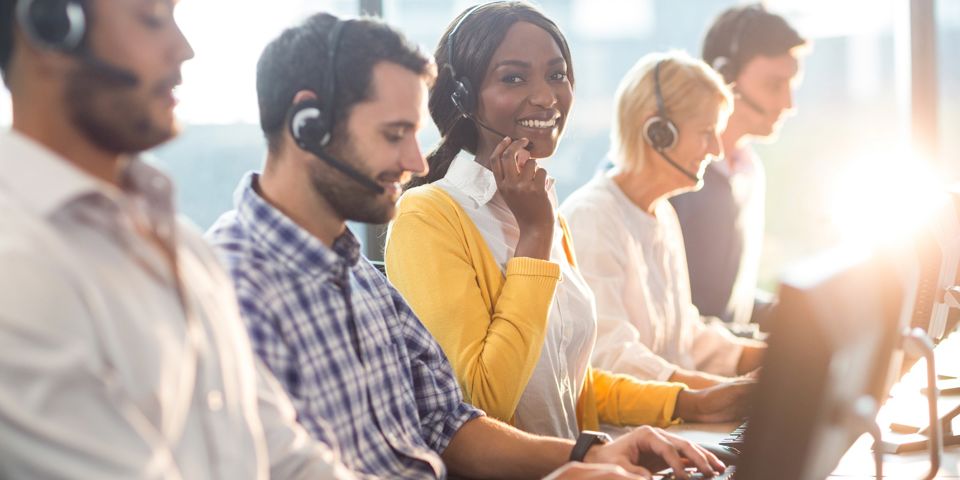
[[884, 197]]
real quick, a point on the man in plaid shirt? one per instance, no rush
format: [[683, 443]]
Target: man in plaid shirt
[[363, 372]]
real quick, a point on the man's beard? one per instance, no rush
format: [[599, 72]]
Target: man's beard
[[351, 200], [111, 115]]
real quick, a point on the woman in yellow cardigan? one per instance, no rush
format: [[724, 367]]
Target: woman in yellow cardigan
[[485, 261]]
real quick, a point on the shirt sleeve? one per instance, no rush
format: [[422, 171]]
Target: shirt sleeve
[[715, 350], [601, 249], [624, 400], [61, 414], [493, 344], [439, 399]]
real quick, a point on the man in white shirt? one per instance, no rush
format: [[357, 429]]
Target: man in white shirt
[[122, 353]]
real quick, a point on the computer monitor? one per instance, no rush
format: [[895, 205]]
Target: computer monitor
[[832, 336]]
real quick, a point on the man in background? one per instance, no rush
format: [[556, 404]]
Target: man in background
[[757, 52]]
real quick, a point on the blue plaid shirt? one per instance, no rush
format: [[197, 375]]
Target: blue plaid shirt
[[362, 371]]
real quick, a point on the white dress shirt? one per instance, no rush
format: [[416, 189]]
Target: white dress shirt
[[548, 405], [103, 372], [634, 262]]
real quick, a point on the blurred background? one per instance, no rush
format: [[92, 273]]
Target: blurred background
[[844, 165]]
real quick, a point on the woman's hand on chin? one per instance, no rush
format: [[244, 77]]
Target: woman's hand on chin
[[523, 186]]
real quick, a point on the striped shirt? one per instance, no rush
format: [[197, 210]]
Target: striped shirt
[[362, 371]]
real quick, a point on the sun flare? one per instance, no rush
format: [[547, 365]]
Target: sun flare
[[884, 198]]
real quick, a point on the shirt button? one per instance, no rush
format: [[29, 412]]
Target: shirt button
[[215, 400]]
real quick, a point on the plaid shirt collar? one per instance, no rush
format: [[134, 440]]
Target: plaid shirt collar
[[291, 246]]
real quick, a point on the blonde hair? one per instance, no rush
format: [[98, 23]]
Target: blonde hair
[[686, 84]]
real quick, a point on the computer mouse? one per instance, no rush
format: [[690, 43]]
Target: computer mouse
[[727, 455]]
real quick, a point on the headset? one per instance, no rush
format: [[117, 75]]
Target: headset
[[729, 65], [311, 122], [61, 25], [463, 97], [660, 132]]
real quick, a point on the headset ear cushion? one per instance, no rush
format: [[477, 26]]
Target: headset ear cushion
[[660, 133], [306, 123], [462, 96], [58, 24]]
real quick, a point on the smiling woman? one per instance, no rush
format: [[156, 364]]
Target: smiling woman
[[479, 252]]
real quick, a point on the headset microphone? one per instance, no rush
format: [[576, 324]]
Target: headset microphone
[[692, 176], [463, 100], [345, 169], [528, 146], [311, 122]]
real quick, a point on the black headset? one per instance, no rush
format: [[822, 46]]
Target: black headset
[[61, 25], [729, 65], [660, 132], [53, 24], [462, 96], [311, 121]]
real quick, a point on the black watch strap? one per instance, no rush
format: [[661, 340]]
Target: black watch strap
[[586, 440]]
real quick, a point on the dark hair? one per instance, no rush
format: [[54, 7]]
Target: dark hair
[[477, 38], [296, 60], [6, 34], [741, 33]]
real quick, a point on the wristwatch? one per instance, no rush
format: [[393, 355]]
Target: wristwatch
[[586, 440]]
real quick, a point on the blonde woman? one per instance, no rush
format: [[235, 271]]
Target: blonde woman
[[479, 251], [669, 111]]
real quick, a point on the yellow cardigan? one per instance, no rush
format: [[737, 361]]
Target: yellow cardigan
[[492, 326]]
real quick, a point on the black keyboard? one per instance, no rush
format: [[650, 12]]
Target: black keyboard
[[735, 439]]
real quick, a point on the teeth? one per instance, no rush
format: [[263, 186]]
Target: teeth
[[539, 123]]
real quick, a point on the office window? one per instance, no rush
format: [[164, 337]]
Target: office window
[[948, 59], [221, 139]]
